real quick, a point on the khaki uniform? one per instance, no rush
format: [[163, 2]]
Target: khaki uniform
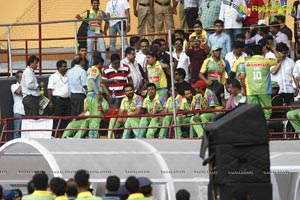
[[145, 18], [163, 13], [182, 16]]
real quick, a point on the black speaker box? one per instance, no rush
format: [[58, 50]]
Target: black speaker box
[[241, 191], [244, 125], [240, 164]]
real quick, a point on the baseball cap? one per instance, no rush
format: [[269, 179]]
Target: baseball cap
[[262, 22], [144, 181], [275, 84], [8, 194], [215, 47], [199, 84]]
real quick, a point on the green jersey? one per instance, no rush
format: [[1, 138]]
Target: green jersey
[[258, 78], [157, 75], [157, 103], [129, 106], [39, 195], [169, 104], [87, 196], [93, 73], [238, 68]]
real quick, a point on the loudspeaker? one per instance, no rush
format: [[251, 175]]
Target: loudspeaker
[[241, 191], [244, 125], [240, 164]]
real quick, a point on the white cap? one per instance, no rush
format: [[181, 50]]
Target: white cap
[[262, 22]]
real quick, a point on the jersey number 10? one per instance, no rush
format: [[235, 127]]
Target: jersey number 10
[[256, 75]]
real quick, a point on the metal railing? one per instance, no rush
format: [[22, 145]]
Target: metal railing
[[18, 47], [285, 134]]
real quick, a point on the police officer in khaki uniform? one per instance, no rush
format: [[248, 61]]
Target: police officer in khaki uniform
[[163, 12], [145, 17]]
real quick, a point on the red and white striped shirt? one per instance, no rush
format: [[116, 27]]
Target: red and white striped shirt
[[121, 74]]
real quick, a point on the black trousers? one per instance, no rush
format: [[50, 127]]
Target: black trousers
[[77, 103], [62, 107], [31, 105], [191, 16], [287, 98]]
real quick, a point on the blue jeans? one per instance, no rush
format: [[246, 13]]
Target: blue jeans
[[100, 46], [17, 125], [232, 34], [113, 30]]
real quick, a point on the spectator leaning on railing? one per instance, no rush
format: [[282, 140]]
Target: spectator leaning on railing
[[115, 9], [95, 29]]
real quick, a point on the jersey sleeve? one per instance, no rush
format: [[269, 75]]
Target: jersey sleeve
[[168, 102], [122, 106], [104, 14], [181, 107], [83, 14], [212, 99], [144, 104], [178, 101], [227, 66], [204, 66], [139, 101], [162, 101], [272, 62], [93, 73]]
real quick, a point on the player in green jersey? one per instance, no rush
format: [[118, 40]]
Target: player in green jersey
[[130, 105], [153, 104], [166, 121], [256, 79]]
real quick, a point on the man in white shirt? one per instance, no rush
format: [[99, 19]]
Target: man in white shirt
[[114, 9], [278, 35], [262, 32], [284, 74], [183, 61], [230, 14], [141, 55], [237, 53], [59, 93], [31, 88], [135, 70], [18, 105], [231, 57]]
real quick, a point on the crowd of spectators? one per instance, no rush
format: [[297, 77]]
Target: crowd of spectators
[[211, 70], [79, 188]]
